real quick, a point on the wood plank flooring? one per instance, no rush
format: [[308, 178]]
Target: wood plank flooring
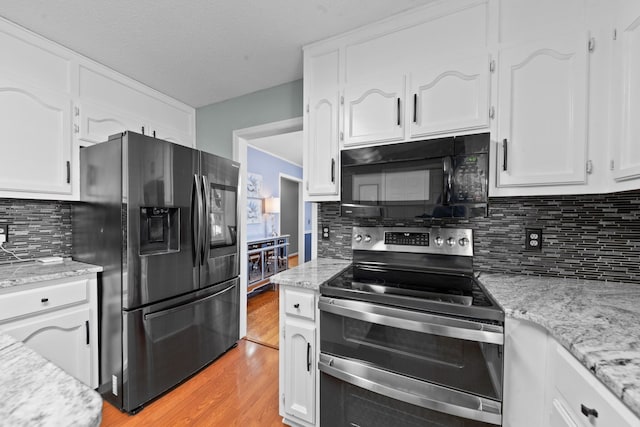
[[263, 318], [239, 389], [262, 314]]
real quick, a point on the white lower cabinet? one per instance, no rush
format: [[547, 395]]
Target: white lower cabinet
[[546, 386], [298, 365], [63, 337], [58, 320]]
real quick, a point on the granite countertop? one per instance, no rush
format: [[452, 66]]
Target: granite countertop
[[21, 273], [35, 392], [597, 321], [311, 274]]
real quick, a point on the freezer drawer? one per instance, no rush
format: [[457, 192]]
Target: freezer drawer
[[166, 343]]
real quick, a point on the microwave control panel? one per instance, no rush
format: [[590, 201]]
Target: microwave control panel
[[470, 179]]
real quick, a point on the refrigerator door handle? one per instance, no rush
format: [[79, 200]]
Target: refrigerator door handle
[[206, 236], [196, 217]]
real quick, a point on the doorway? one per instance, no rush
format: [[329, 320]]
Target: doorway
[[241, 140], [292, 215]]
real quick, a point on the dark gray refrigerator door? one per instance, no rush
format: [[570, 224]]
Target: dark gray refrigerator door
[[166, 343], [160, 189], [219, 250]]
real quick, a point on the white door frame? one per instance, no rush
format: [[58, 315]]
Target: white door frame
[[240, 141], [301, 218]]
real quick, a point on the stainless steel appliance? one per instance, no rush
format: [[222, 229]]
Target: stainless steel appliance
[[446, 177], [408, 337], [161, 220]]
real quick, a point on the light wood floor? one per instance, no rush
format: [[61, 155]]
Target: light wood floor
[[239, 389], [262, 314]]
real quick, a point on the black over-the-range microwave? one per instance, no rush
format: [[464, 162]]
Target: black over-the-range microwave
[[439, 178]]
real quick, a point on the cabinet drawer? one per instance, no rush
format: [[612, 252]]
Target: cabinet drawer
[[299, 304], [46, 297], [577, 387]]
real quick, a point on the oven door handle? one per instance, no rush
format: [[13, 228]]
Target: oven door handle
[[414, 321], [411, 390]]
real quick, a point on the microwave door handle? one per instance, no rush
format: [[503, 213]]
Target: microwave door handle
[[415, 392], [446, 173]]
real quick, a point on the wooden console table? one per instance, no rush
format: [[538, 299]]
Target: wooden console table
[[266, 257]]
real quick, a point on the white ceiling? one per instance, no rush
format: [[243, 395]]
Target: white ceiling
[[198, 51], [287, 146]]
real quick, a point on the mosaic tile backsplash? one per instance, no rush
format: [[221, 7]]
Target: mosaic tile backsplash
[[38, 228], [586, 236]]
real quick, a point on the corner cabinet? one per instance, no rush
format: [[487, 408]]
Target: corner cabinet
[[57, 319], [546, 386], [299, 384], [321, 135]]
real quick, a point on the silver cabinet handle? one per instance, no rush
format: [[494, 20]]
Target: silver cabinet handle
[[414, 321], [412, 391]]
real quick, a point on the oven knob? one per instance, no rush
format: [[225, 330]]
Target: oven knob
[[439, 241], [451, 241], [358, 238], [367, 238], [463, 241]]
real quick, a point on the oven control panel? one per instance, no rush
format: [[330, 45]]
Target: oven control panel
[[435, 240], [406, 238]]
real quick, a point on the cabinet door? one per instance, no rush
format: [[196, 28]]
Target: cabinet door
[[542, 113], [320, 133], [300, 371], [322, 148], [96, 123], [36, 125], [559, 416], [374, 112], [626, 136], [171, 135], [451, 97], [62, 337]]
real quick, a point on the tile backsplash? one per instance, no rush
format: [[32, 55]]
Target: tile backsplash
[[38, 228], [585, 236]]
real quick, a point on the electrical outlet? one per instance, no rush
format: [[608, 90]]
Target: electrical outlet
[[533, 239], [4, 233], [325, 232]]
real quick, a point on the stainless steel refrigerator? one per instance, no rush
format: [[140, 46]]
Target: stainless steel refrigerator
[[161, 220]]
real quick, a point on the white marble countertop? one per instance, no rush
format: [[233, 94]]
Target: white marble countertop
[[311, 274], [598, 322], [21, 273], [34, 392]]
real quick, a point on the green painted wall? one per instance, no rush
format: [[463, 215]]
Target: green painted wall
[[216, 122]]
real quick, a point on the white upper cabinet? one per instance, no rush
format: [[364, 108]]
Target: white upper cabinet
[[155, 112], [542, 112], [321, 145], [36, 151], [450, 97], [54, 101], [374, 112], [95, 123], [625, 162]]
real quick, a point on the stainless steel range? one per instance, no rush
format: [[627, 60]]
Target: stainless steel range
[[408, 336]]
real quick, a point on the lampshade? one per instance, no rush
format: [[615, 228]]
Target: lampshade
[[272, 205]]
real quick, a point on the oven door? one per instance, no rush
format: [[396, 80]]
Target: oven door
[[357, 394], [454, 353]]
